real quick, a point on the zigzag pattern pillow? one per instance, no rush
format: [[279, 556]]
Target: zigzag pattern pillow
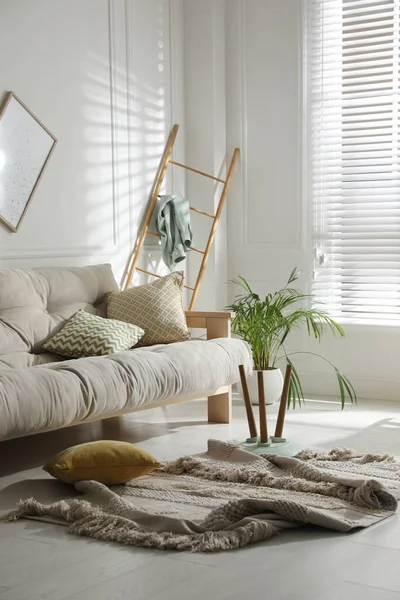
[[88, 335]]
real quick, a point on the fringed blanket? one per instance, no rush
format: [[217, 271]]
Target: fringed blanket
[[229, 498]]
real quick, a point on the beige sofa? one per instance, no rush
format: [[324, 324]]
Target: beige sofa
[[41, 391]]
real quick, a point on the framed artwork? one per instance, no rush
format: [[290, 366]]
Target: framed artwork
[[25, 148]]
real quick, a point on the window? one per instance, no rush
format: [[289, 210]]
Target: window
[[353, 61]]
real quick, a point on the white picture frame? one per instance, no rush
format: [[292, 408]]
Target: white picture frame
[[25, 149]]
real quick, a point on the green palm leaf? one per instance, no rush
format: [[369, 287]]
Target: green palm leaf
[[267, 323]]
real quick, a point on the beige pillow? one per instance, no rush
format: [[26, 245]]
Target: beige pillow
[[155, 307]]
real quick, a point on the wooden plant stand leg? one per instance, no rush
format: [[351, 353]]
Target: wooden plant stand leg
[[249, 409], [263, 412], [220, 408], [282, 407]]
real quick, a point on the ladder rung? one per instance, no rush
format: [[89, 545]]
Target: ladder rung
[[202, 212], [148, 272], [173, 162], [160, 276], [154, 233]]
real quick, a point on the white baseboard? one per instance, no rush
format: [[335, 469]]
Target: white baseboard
[[321, 384]]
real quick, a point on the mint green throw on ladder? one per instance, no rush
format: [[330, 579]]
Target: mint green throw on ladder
[[171, 220]]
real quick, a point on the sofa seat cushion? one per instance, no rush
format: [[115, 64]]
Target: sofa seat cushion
[[56, 395], [22, 360]]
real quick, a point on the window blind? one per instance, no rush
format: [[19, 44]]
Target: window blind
[[353, 98]]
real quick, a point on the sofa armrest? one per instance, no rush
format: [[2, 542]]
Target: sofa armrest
[[217, 324]]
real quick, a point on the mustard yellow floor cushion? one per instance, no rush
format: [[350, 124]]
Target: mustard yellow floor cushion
[[108, 462]]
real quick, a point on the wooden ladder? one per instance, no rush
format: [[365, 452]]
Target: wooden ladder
[[133, 259]]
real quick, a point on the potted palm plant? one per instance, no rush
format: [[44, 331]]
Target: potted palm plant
[[266, 324]]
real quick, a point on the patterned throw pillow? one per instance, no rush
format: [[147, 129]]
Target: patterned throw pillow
[[156, 307], [88, 335]]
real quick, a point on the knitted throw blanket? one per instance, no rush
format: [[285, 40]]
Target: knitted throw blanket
[[229, 498]]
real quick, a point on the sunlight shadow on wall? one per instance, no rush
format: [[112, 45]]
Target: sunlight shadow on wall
[[126, 130]]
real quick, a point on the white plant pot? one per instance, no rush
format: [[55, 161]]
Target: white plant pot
[[273, 386]]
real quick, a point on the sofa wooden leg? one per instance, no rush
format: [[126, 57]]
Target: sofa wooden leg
[[220, 408]]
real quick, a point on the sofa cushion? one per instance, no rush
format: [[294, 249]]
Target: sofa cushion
[[21, 360], [35, 303], [60, 394], [155, 307], [90, 335]]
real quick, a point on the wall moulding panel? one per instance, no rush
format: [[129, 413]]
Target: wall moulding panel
[[266, 212], [267, 216], [156, 103], [109, 89], [271, 119], [149, 97], [205, 139], [82, 171]]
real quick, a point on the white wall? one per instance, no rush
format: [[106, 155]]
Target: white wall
[[268, 209], [266, 212], [264, 117], [106, 78], [205, 139]]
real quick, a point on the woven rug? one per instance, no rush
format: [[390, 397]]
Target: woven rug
[[229, 498]]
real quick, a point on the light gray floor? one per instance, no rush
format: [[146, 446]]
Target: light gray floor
[[40, 560]]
